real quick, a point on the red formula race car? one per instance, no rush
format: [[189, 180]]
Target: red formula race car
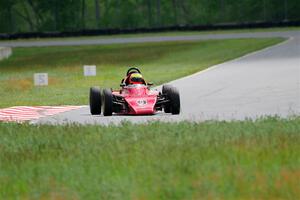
[[134, 98]]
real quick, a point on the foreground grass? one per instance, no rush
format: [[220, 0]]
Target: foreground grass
[[160, 62], [211, 160]]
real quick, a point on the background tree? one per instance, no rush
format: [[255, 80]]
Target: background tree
[[70, 15], [97, 12]]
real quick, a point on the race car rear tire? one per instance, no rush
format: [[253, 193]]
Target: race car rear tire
[[165, 91], [174, 97], [95, 100], [107, 99]]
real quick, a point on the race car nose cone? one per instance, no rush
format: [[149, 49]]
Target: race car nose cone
[[141, 105]]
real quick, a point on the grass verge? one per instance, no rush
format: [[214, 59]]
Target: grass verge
[[211, 160], [160, 62]]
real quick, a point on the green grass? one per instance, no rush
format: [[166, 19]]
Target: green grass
[[211, 160], [160, 62]]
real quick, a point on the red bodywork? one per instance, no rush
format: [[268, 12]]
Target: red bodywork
[[140, 100]]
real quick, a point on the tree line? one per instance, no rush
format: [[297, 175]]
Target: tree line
[[71, 15]]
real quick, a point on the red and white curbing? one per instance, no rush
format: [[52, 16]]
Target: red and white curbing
[[27, 113]]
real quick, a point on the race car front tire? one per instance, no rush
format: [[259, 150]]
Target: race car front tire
[[107, 99], [95, 100], [174, 97]]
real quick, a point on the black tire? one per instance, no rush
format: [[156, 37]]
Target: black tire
[[175, 100], [95, 100], [107, 99], [165, 91]]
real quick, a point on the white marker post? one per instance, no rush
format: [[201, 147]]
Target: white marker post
[[40, 79], [89, 70]]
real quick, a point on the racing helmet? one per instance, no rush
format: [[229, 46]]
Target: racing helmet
[[136, 78]]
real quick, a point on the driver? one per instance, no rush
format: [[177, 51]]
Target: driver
[[135, 78]]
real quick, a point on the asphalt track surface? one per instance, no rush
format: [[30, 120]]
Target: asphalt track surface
[[102, 41], [263, 83]]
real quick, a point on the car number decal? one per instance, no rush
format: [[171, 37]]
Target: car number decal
[[141, 102]]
